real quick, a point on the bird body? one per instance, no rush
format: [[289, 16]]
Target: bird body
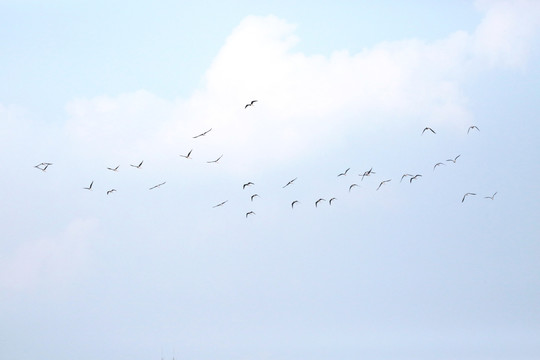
[[250, 104]]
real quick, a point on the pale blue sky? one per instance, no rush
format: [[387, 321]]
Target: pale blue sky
[[408, 271]]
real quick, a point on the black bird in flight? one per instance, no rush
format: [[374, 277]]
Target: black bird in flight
[[111, 191], [330, 201], [353, 185], [317, 202], [367, 173], [158, 185], [114, 169], [437, 164], [250, 213], [220, 204], [214, 161], [254, 196], [289, 183], [90, 187], [491, 197], [202, 134], [472, 127], [454, 159], [137, 166], [403, 176], [188, 154], [294, 202], [414, 178], [40, 168], [428, 128], [344, 173], [467, 194], [383, 182], [250, 104], [247, 184]]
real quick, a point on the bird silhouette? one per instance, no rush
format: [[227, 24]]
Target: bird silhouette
[[249, 183], [188, 154], [293, 203], [202, 134], [344, 173], [467, 194], [289, 183], [353, 185], [156, 186], [437, 164], [114, 169], [111, 191], [454, 159], [220, 204], [137, 166], [250, 104], [330, 201], [249, 213], [215, 161], [428, 128], [89, 187], [318, 201], [472, 127], [383, 182], [491, 197], [414, 178], [254, 196], [403, 176]]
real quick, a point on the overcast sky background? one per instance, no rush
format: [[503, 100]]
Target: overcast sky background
[[408, 271]]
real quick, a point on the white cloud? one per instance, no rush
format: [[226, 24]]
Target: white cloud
[[48, 260], [307, 101]]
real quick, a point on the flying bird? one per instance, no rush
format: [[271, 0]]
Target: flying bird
[[137, 166], [344, 173], [294, 202], [250, 213], [289, 183], [330, 201], [158, 185], [114, 169], [414, 177], [89, 187], [491, 197], [111, 191], [428, 128], [188, 154], [383, 182], [250, 104], [220, 204], [367, 173], [214, 161], [254, 196], [472, 127], [404, 175], [40, 168], [317, 202], [353, 185], [437, 164], [249, 183], [454, 159], [202, 134], [467, 194]]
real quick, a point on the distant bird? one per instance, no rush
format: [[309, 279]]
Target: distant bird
[[414, 177], [188, 154], [90, 187], [40, 168], [111, 191], [317, 202], [383, 182], [437, 164], [249, 183], [114, 169], [344, 173], [428, 128], [491, 197], [353, 185], [158, 185], [250, 104], [404, 175], [204, 133], [137, 166], [294, 202], [330, 201], [250, 213], [472, 127], [289, 183], [254, 196], [215, 161], [467, 194], [220, 204], [454, 159], [367, 173]]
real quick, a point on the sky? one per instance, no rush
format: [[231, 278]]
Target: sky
[[402, 269]]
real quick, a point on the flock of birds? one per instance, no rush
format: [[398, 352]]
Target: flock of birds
[[43, 166]]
